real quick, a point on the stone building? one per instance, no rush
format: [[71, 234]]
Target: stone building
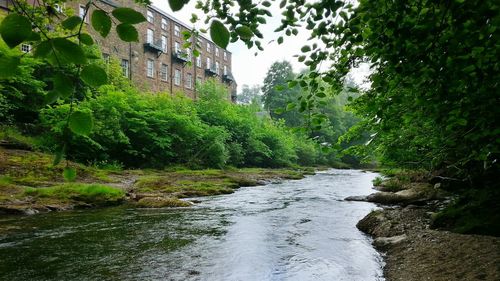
[[158, 63]]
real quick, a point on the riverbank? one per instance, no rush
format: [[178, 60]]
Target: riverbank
[[412, 250], [29, 184]]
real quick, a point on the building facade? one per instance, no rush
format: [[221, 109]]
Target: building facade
[[158, 62]]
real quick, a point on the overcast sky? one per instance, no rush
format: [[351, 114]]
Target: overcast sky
[[248, 68]]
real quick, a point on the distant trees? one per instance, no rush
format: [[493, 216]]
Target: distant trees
[[250, 95]]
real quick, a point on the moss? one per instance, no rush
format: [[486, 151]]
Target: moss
[[88, 193], [161, 202]]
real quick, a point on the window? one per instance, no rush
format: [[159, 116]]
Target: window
[[82, 13], [150, 68], [177, 47], [198, 80], [209, 63], [150, 36], [164, 43], [216, 51], [105, 57], [209, 48], [177, 77], [198, 61], [177, 31], [225, 69], [26, 48], [164, 24], [150, 16], [125, 68], [225, 55], [164, 72], [189, 81], [217, 67], [188, 53]]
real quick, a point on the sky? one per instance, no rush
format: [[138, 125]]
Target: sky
[[246, 67]]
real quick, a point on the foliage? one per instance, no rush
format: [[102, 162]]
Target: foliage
[[250, 95], [90, 193]]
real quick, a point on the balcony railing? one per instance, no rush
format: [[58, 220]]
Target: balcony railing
[[154, 46], [228, 77], [211, 69], [181, 56]]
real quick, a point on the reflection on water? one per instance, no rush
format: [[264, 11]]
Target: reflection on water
[[296, 230]]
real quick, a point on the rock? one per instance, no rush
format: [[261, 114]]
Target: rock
[[356, 198], [384, 243], [375, 223]]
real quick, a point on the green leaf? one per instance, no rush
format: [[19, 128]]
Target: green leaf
[[127, 32], [291, 106], [15, 29], [86, 39], [280, 40], [81, 123], [59, 155], [279, 111], [68, 52], [176, 5], [244, 32], [320, 94], [305, 49], [71, 22], [51, 97], [94, 75], [63, 85], [219, 34], [101, 22], [266, 4], [128, 15], [292, 84], [8, 65], [69, 174]]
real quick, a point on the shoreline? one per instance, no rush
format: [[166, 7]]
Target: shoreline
[[30, 185], [412, 251]]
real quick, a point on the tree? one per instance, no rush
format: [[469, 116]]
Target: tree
[[277, 95], [250, 95], [433, 96]]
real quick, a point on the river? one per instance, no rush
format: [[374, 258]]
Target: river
[[296, 230]]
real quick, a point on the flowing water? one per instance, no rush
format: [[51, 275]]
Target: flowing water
[[296, 230]]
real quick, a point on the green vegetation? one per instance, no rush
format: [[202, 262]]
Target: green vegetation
[[88, 193], [432, 102]]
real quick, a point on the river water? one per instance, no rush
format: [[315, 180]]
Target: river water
[[296, 230]]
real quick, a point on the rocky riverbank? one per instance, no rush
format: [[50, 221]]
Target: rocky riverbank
[[413, 251], [29, 184]]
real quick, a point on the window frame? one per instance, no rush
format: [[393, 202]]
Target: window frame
[[177, 30], [164, 23], [150, 16], [164, 74], [125, 65], [151, 32], [150, 62], [164, 43], [177, 79], [189, 81]]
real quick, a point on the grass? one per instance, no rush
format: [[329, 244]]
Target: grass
[[89, 193], [183, 183], [12, 135]]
